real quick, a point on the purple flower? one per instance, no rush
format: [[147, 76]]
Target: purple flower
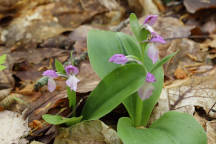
[[150, 78], [51, 74], [153, 53], [118, 59], [151, 19], [157, 38], [70, 69], [72, 82], [146, 91]]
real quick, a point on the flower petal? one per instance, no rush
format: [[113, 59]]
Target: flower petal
[[146, 91], [118, 59], [157, 38], [72, 82], [70, 69], [51, 85], [153, 53], [151, 19], [150, 78], [50, 73]]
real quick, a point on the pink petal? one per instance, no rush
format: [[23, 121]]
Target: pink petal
[[118, 59], [70, 69], [50, 73], [72, 82], [157, 38], [153, 53], [51, 85], [150, 78], [151, 19], [146, 91]]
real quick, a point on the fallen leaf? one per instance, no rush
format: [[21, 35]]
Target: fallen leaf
[[193, 6], [87, 132], [180, 73]]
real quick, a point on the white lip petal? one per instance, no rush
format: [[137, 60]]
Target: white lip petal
[[72, 82], [51, 85]]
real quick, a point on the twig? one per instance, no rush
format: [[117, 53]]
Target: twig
[[121, 25]]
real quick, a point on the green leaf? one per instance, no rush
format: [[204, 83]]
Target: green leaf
[[163, 61], [57, 119], [71, 97], [101, 46], [113, 89], [135, 27], [3, 59], [130, 45], [140, 32], [59, 67], [2, 67], [171, 128]]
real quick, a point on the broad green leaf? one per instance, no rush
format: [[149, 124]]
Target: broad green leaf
[[171, 128], [113, 89], [101, 46], [57, 119], [59, 67], [71, 97], [163, 61], [3, 59]]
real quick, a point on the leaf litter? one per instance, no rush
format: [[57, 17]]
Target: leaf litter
[[34, 33]]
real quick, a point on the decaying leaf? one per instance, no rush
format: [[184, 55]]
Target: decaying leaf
[[211, 132], [88, 132], [194, 5], [180, 73]]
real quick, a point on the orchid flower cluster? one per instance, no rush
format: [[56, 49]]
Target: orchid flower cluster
[[132, 74], [153, 53], [71, 82]]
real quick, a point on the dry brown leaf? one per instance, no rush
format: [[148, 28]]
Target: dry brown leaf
[[211, 131], [88, 132], [180, 73], [88, 78], [193, 6]]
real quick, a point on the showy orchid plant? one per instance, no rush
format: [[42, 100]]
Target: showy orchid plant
[[132, 74]]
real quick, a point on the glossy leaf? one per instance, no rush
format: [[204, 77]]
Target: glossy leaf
[[57, 119], [171, 128], [113, 89], [59, 67], [71, 97]]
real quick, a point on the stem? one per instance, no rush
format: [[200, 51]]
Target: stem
[[138, 112]]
